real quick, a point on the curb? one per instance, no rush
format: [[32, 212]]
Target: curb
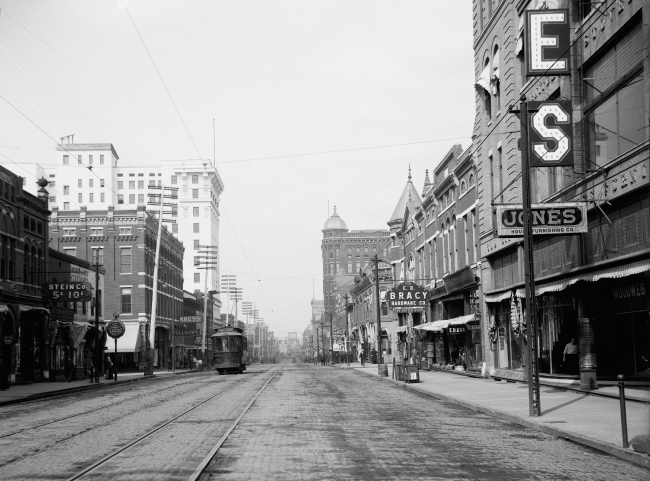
[[625, 454], [63, 392]]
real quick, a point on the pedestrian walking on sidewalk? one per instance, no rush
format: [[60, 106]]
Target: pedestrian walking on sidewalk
[[109, 368], [361, 359], [91, 370], [68, 367]]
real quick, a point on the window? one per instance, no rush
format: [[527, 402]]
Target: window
[[131, 184], [487, 98], [614, 96], [69, 231], [71, 251], [197, 277], [90, 183], [141, 184], [195, 211], [101, 182], [140, 198], [101, 159], [120, 198], [195, 179], [81, 197], [90, 160], [195, 193], [196, 244], [120, 184], [66, 206], [101, 197], [126, 300], [98, 255], [463, 187], [125, 260], [197, 260], [53, 198], [125, 231], [174, 179], [91, 197], [174, 228], [196, 228], [66, 160], [96, 231], [79, 161], [80, 183], [131, 199], [66, 190], [152, 181]]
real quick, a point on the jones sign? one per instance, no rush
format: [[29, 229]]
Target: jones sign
[[565, 218]]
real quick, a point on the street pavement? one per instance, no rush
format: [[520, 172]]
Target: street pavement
[[321, 423], [311, 422], [584, 418]]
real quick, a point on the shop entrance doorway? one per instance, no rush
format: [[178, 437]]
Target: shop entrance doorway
[[629, 343]]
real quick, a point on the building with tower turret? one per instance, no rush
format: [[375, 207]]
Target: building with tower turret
[[346, 254]]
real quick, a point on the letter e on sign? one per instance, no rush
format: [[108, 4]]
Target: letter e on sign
[[550, 134], [547, 40]]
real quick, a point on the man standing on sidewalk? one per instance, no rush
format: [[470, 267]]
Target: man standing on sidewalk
[[570, 357]]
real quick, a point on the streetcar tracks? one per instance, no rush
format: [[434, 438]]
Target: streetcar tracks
[[210, 456], [96, 409], [173, 420]]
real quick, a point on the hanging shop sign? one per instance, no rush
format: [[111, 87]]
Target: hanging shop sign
[[456, 330], [561, 218], [62, 314], [67, 291], [115, 329], [550, 133], [406, 296], [547, 41]]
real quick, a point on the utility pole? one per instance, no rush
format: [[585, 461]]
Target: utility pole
[[331, 357], [208, 259], [380, 359], [347, 332], [317, 347], [534, 408], [98, 348], [322, 333], [160, 203]]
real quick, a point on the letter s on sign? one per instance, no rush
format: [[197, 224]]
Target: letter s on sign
[[563, 145]]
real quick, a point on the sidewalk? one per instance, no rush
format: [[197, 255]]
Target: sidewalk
[[29, 392], [587, 419]]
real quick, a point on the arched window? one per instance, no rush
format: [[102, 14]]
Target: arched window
[[26, 265], [41, 267], [487, 98], [494, 78], [463, 187], [471, 180], [374, 251]]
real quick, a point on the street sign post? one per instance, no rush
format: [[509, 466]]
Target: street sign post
[[115, 329]]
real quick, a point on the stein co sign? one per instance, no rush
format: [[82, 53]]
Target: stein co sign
[[407, 296]]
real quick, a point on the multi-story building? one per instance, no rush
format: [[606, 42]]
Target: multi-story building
[[346, 254], [124, 241], [24, 257], [590, 287], [91, 175]]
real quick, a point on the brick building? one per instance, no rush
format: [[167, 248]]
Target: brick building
[[590, 287], [124, 242], [24, 319]]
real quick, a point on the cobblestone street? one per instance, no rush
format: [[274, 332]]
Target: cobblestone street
[[309, 423]]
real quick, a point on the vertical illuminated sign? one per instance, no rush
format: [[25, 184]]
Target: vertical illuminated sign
[[547, 42], [550, 133]]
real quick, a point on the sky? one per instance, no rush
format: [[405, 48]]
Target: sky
[[304, 105]]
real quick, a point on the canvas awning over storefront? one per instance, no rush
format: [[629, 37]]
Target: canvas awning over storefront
[[130, 341], [484, 80], [610, 273], [79, 330], [498, 297], [401, 328]]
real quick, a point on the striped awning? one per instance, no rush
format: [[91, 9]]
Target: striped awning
[[610, 273], [498, 297]]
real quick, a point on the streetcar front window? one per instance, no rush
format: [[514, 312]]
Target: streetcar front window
[[224, 342], [217, 344]]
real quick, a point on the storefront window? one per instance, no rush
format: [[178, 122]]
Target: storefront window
[[457, 345], [474, 357], [509, 352], [557, 326]]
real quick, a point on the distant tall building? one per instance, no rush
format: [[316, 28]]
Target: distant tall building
[[90, 175], [345, 254]]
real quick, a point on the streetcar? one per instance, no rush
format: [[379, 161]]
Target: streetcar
[[229, 347]]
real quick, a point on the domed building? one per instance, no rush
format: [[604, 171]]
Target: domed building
[[346, 254]]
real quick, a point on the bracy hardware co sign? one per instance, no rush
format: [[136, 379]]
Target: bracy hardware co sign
[[560, 218], [406, 296]]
